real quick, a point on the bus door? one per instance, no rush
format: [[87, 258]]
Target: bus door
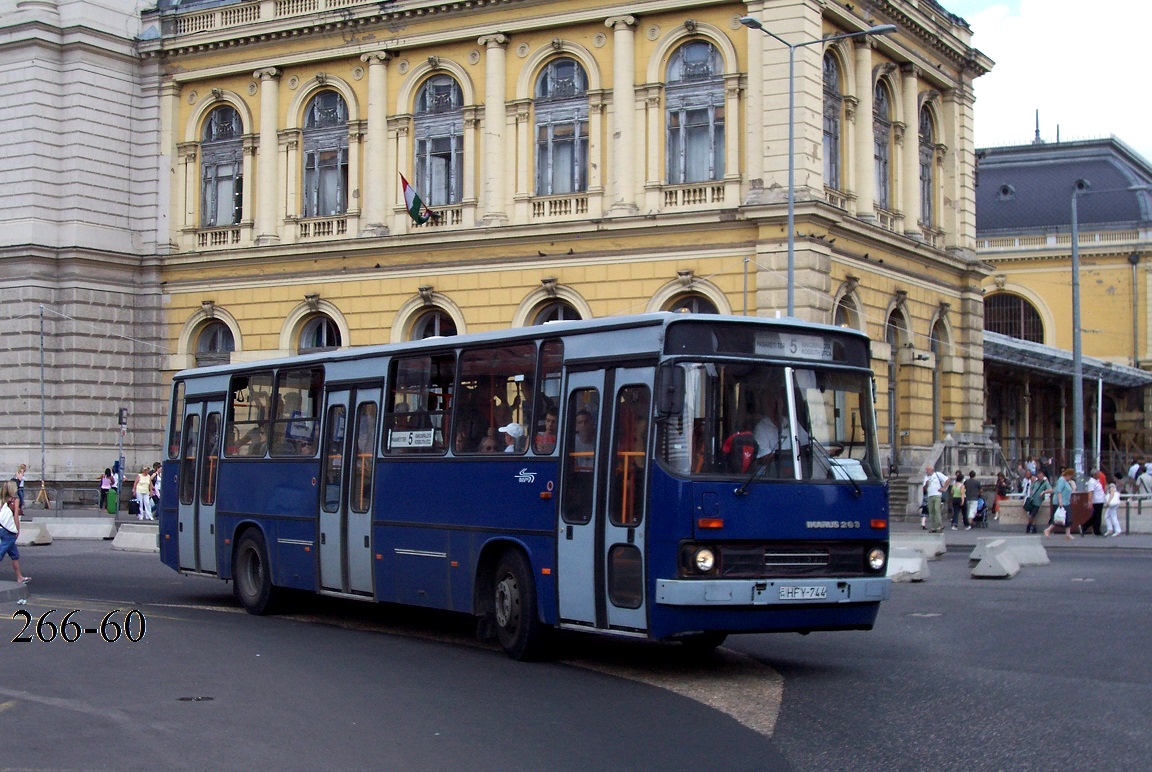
[[347, 475], [197, 481], [603, 499]]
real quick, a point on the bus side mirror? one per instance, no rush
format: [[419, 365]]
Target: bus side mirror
[[669, 390]]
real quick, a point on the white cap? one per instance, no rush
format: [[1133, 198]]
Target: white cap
[[516, 431]]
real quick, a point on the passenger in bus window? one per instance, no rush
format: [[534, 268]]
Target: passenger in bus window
[[461, 444], [546, 439], [584, 442], [513, 433], [488, 445]]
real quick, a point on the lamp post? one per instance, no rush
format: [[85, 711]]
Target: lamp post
[[1081, 188], [751, 23]]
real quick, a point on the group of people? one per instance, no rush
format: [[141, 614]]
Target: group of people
[[964, 494], [1036, 489], [145, 490], [510, 438], [12, 508]]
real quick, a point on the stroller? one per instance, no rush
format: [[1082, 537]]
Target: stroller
[[980, 519]]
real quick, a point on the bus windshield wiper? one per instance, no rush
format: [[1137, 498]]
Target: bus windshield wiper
[[758, 466], [832, 462]]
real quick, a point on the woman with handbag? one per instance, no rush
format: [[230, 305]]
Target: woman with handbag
[[1062, 504]]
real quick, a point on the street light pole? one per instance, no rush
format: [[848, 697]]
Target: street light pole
[[1081, 188], [1077, 357], [751, 23]]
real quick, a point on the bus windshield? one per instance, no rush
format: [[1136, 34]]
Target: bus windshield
[[779, 422]]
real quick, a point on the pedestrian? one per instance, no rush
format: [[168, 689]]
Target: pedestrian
[[156, 486], [1035, 499], [106, 484], [971, 499], [1001, 494], [1144, 483], [18, 479], [1136, 468], [144, 493], [1111, 511], [1097, 493], [1030, 465], [1062, 504], [1026, 481], [934, 485], [10, 528], [956, 490]]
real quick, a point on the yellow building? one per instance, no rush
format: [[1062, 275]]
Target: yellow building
[[1024, 208], [583, 159]]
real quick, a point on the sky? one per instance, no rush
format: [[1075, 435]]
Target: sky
[[1083, 65]]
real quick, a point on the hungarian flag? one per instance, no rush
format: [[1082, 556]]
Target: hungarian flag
[[419, 213]]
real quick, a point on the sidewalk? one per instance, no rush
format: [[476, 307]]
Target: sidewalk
[[961, 539]]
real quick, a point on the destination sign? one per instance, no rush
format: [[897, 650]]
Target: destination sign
[[408, 438], [788, 344]]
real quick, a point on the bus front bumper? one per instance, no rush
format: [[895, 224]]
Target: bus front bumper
[[771, 592]]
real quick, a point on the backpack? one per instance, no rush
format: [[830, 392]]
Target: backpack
[[741, 449]]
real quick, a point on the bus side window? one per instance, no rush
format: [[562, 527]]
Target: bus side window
[[580, 456], [626, 504], [547, 414]]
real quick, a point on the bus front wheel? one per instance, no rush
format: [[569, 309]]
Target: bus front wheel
[[519, 630], [251, 574]]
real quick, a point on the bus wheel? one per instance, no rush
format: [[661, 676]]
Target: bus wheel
[[251, 574], [702, 643], [519, 630]]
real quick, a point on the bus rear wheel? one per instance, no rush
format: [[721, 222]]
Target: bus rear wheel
[[252, 575], [519, 630]]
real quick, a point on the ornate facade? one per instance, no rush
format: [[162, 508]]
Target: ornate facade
[[583, 159]]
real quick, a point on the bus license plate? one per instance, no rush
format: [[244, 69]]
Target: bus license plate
[[809, 592]]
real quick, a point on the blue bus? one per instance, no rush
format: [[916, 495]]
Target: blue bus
[[666, 476]]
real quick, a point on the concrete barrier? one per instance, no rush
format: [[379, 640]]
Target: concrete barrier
[[137, 538], [997, 563], [930, 545], [1026, 549], [907, 565], [33, 534], [80, 527]]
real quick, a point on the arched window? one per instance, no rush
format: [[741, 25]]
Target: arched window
[[882, 139], [692, 303], [695, 114], [940, 345], [221, 168], [561, 108], [1014, 316], [846, 314], [319, 334], [435, 323], [927, 157], [214, 345], [439, 130], [555, 311], [833, 110], [326, 156]]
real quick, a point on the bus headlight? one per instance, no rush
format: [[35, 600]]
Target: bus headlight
[[876, 558], [704, 560]]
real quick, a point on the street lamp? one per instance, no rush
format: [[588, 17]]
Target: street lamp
[[751, 23], [1081, 188]]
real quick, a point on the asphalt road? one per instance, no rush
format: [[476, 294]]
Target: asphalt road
[[1047, 670]]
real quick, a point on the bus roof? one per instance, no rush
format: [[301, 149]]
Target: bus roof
[[562, 329]]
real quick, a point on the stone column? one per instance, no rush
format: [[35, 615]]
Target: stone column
[[268, 188], [624, 141], [378, 172], [911, 187], [863, 161], [493, 203]]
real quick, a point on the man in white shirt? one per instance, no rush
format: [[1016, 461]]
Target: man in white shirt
[[934, 484]]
